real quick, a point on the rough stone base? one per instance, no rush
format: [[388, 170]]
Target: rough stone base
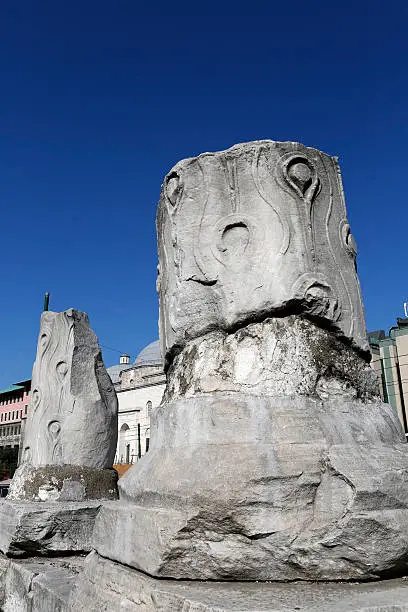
[[38, 585], [63, 482], [258, 488], [108, 586], [100, 585], [39, 528]]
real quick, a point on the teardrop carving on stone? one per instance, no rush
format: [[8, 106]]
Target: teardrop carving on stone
[[44, 342], [347, 239], [300, 175], [174, 188], [54, 427], [236, 235], [35, 398], [317, 295], [62, 369]]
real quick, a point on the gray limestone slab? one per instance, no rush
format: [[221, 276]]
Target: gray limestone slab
[[40, 585], [41, 528], [108, 586]]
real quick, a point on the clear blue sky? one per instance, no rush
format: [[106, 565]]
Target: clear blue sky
[[99, 100]]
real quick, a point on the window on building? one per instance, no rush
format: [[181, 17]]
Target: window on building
[[25, 409], [149, 408], [147, 444], [21, 414]]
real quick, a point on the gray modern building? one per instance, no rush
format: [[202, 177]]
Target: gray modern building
[[390, 362]]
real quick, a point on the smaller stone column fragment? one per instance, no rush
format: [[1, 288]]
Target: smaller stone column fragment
[[71, 431], [68, 447]]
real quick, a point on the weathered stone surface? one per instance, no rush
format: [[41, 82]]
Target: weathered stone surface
[[251, 232], [108, 586], [40, 585], [72, 418], [277, 357], [33, 528], [4, 565], [63, 483]]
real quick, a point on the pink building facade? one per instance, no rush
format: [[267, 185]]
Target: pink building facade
[[13, 412]]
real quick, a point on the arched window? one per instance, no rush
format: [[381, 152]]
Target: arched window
[[124, 443], [149, 408]]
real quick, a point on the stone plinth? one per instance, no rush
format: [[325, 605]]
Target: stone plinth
[[49, 529], [69, 585], [105, 585]]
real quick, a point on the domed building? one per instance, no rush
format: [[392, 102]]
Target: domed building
[[139, 387]]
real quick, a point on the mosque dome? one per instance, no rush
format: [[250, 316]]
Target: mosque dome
[[150, 355]]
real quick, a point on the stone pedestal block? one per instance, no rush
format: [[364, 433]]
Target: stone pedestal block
[[49, 529], [276, 489], [63, 483], [39, 585], [105, 585]]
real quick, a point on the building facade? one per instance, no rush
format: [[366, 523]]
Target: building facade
[[390, 362], [139, 387], [13, 410], [13, 414]]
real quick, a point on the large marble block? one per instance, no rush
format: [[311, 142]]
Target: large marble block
[[251, 232]]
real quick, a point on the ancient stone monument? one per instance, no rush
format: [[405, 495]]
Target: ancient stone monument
[[69, 443], [272, 457]]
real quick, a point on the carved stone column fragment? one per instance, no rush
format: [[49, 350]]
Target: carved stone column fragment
[[258, 230], [69, 441], [271, 456]]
